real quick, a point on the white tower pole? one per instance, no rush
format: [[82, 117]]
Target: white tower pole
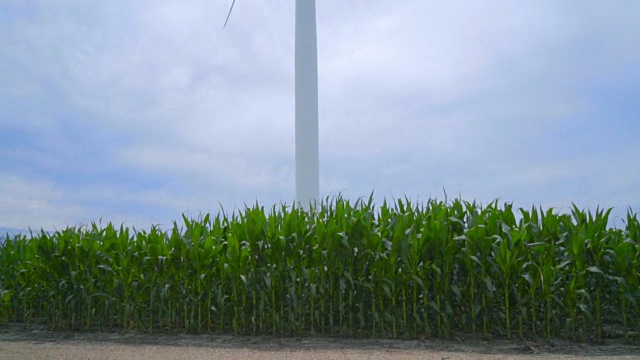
[[306, 104]]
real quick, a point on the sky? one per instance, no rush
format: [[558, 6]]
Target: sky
[[135, 112]]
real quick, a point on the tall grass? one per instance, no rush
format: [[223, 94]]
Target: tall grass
[[402, 270]]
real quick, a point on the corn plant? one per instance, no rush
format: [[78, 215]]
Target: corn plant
[[402, 269]]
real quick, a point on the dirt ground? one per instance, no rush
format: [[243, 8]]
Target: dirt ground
[[17, 342]]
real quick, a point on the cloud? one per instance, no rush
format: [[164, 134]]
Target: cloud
[[138, 112], [27, 202]]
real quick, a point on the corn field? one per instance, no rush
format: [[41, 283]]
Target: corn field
[[399, 270]]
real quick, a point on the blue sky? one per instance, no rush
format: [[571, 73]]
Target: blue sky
[[138, 111]]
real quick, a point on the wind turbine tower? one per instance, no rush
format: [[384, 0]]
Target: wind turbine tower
[[306, 103], [306, 113]]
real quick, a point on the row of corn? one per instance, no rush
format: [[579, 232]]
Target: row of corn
[[400, 270]]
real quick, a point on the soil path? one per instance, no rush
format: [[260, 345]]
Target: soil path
[[17, 342]]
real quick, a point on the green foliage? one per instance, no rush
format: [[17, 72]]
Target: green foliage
[[401, 270]]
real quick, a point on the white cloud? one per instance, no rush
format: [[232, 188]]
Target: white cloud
[[28, 202], [489, 99]]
